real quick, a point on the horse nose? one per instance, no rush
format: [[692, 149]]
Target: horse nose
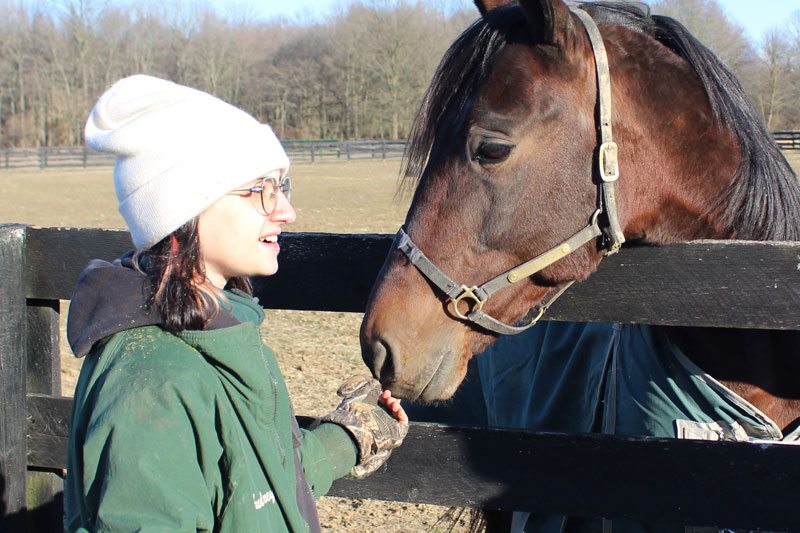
[[377, 355]]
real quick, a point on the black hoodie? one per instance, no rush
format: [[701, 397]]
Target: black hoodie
[[112, 297]]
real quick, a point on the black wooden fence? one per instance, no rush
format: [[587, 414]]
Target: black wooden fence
[[298, 150], [312, 150], [705, 283], [787, 140]]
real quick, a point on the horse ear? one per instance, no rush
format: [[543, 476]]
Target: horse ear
[[484, 6], [550, 20]]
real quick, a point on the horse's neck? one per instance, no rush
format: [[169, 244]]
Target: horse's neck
[[761, 366]]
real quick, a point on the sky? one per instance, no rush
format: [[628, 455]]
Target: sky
[[755, 16]]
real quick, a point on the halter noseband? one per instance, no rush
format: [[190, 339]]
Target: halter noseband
[[612, 233]]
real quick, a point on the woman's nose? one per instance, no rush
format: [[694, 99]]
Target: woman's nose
[[284, 211]]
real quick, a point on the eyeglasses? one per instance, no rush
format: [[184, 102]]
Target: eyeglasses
[[268, 192]]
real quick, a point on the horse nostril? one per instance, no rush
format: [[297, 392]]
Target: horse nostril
[[378, 357], [373, 355]]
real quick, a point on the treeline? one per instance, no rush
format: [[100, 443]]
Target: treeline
[[769, 68], [358, 74]]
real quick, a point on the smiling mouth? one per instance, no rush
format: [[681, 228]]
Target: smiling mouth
[[269, 239]]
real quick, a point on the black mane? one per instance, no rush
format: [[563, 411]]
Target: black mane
[[763, 200]]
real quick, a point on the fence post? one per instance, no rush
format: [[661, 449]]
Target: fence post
[[347, 147], [13, 409], [45, 490], [85, 155], [312, 153]]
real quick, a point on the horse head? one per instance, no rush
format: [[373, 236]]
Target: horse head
[[509, 151]]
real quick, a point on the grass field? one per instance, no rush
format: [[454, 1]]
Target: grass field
[[340, 197], [316, 350]]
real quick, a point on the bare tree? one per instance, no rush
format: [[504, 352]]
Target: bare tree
[[774, 90], [791, 113], [359, 74], [352, 87], [706, 20], [145, 39], [14, 73]]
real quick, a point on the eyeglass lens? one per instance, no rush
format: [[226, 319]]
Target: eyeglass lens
[[269, 193]]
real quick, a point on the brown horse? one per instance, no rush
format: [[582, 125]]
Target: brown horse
[[505, 150]]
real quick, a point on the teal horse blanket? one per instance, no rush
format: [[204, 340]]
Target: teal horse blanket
[[629, 380]]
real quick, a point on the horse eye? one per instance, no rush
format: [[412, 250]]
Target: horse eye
[[492, 152]]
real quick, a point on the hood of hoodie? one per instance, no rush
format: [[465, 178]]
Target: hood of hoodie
[[112, 297]]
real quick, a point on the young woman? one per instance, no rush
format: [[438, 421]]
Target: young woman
[[181, 419]]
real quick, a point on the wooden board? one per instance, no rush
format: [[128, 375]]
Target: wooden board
[[740, 284], [724, 484], [55, 257], [44, 489], [12, 376], [48, 430]]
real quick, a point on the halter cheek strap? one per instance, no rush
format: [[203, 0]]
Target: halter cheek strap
[[612, 232], [607, 155]]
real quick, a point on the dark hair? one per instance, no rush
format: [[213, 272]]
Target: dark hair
[[180, 292]]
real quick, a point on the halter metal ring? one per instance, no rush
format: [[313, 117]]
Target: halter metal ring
[[467, 292], [536, 318]]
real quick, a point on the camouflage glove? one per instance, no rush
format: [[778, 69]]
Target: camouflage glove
[[375, 431]]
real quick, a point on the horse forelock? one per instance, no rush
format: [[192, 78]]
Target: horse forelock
[[763, 199]]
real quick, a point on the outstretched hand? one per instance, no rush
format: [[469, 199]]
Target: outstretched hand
[[376, 421]]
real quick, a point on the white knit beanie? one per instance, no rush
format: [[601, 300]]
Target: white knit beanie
[[178, 151]]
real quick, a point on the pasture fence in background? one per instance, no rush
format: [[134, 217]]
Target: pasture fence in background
[[704, 283], [311, 151], [787, 140], [298, 150]]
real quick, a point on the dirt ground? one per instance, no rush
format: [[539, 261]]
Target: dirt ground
[[316, 350]]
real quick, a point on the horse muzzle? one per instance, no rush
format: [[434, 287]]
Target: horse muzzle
[[410, 345], [437, 378]]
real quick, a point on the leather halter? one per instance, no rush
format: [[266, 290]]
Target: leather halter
[[611, 231]]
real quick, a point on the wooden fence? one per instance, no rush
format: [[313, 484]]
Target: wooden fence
[[704, 283], [787, 140], [299, 150]]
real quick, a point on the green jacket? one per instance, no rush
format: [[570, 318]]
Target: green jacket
[[193, 432]]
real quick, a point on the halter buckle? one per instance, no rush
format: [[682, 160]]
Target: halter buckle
[[467, 292], [607, 161]]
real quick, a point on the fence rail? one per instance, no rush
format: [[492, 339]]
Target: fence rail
[[718, 283], [787, 140], [298, 150]]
